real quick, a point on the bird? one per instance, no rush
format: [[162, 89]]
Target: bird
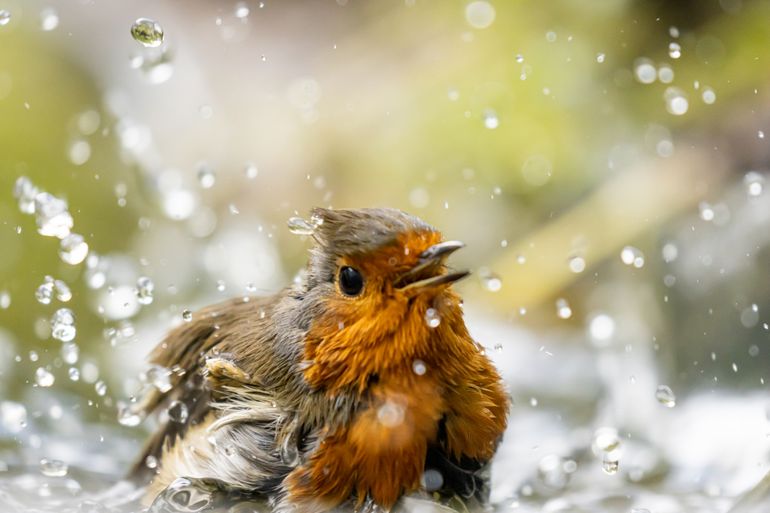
[[354, 386]]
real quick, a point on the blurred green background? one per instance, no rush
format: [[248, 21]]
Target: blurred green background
[[546, 135]]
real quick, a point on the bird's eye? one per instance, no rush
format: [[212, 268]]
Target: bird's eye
[[351, 281]]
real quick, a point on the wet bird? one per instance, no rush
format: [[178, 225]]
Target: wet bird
[[356, 385]]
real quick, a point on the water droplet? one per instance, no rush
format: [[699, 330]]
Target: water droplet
[[144, 290], [96, 271], [479, 14], [44, 293], [761, 134], [601, 328], [127, 416], [754, 183], [390, 414], [490, 281], [533, 402], [665, 396], [706, 211], [43, 377], [610, 466], [600, 57], [491, 120], [674, 50], [550, 36], [606, 445], [52, 217], [632, 256], [177, 412], [419, 367], [242, 10], [63, 292], [670, 252], [49, 19], [206, 176], [576, 264], [676, 101], [63, 325], [665, 74], [147, 32], [13, 416], [101, 388], [53, 468], [73, 249], [157, 376], [186, 315], [79, 152], [673, 31], [299, 226], [432, 318], [25, 191], [5, 299], [708, 95], [563, 310], [644, 70], [151, 461], [5, 17], [750, 316], [519, 58], [251, 171], [70, 352]]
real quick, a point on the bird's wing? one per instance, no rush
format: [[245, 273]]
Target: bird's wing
[[195, 358]]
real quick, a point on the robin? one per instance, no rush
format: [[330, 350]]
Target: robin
[[356, 385]]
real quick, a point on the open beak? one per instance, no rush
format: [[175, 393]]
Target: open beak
[[432, 257]]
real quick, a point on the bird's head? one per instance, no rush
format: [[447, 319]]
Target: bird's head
[[377, 296]]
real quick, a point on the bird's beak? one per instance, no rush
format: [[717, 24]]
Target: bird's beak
[[430, 258]]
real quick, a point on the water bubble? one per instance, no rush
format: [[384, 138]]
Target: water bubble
[[563, 310], [53, 219], [101, 388], [44, 293], [432, 318], [601, 328], [576, 264], [70, 352], [43, 377], [177, 412], [419, 367], [708, 95], [300, 226], [754, 183], [147, 32], [676, 101], [73, 249], [632, 256], [491, 121], [206, 176], [644, 71], [49, 19], [674, 50], [665, 396], [127, 416], [25, 191], [5, 17], [5, 299], [157, 376], [13, 416], [600, 57], [186, 315], [63, 325], [479, 14], [144, 290], [53, 468]]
